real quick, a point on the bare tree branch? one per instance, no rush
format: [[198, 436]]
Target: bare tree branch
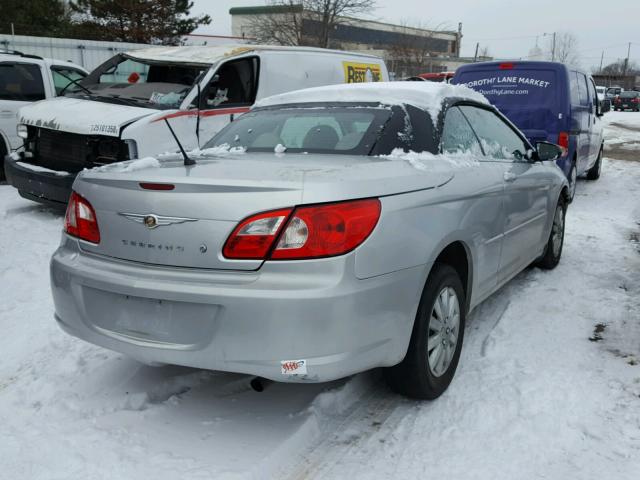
[[305, 22]]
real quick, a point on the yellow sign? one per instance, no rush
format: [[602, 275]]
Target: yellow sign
[[361, 72]]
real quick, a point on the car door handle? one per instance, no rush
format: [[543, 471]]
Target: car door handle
[[509, 177]]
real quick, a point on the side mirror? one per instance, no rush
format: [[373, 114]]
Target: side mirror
[[605, 106], [548, 151]]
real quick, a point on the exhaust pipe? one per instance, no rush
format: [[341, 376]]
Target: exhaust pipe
[[259, 384]]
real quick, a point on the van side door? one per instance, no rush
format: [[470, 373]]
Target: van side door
[[595, 124], [581, 120], [230, 92]]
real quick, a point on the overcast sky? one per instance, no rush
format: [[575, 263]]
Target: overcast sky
[[507, 27]]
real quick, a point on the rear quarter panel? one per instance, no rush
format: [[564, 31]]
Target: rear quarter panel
[[415, 227]]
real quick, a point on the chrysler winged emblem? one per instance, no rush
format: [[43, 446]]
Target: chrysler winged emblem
[[151, 220]]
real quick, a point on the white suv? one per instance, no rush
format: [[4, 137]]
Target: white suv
[[25, 79]]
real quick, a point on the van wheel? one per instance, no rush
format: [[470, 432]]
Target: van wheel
[[436, 340], [594, 172], [553, 250], [573, 180]]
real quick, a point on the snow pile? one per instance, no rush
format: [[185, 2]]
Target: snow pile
[[425, 95], [427, 161], [129, 166], [218, 150], [280, 148], [548, 385]]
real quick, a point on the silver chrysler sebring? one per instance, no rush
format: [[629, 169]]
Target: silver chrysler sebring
[[326, 232]]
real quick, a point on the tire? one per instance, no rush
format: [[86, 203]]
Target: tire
[[594, 172], [420, 375], [3, 152], [553, 250], [573, 180]]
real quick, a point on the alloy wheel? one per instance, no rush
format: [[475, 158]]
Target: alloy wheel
[[443, 331]]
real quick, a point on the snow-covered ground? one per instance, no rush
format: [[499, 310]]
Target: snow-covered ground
[[548, 384]]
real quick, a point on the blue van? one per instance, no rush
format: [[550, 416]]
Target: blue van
[[547, 101]]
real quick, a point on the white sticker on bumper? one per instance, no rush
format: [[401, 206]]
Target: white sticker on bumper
[[293, 367]]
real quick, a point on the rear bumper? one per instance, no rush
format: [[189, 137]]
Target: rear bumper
[[43, 187], [246, 322]]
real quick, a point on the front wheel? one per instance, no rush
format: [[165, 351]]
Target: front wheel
[[594, 172], [553, 250], [436, 340]]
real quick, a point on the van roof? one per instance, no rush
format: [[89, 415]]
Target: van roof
[[507, 65], [207, 55]]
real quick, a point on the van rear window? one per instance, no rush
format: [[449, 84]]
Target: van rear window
[[529, 98], [513, 87]]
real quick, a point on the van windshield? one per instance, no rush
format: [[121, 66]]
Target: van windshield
[[529, 98], [159, 85]]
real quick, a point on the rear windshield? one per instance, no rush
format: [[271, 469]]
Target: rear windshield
[[336, 130], [629, 94]]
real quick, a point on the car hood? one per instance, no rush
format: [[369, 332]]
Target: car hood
[[77, 115]]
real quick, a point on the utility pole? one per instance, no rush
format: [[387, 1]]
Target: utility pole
[[626, 60], [553, 45], [475, 57], [601, 60]]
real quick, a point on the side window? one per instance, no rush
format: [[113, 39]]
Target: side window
[[457, 135], [65, 77], [582, 88], [593, 98], [497, 138], [575, 89], [21, 82], [234, 84]]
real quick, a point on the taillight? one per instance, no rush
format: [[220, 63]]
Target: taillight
[[253, 237], [80, 220], [506, 66], [313, 231], [635, 100], [563, 141]]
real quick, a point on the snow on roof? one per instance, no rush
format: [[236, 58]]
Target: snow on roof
[[425, 95], [207, 55]]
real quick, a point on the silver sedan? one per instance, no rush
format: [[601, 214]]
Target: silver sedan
[[324, 233]]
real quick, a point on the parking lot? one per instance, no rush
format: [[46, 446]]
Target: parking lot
[[548, 384]]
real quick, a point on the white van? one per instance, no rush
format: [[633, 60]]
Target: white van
[[25, 79], [120, 110]]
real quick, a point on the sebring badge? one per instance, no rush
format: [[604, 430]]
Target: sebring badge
[[152, 221]]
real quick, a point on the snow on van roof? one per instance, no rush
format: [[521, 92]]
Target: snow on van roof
[[425, 95], [207, 55]]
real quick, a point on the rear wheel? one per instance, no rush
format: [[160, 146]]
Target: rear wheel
[[594, 172], [553, 251], [436, 340]]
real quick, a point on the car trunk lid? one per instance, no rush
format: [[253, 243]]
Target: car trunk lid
[[187, 224]]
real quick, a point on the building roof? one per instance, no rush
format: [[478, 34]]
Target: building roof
[[267, 9], [207, 55]]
